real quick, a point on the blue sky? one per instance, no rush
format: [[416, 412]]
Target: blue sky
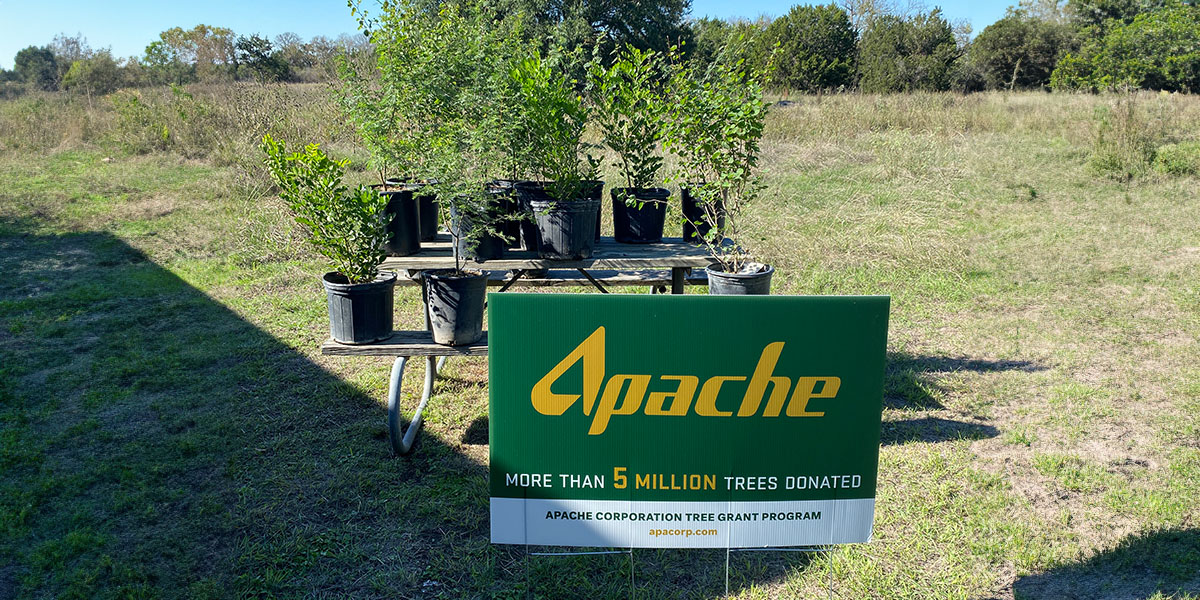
[[127, 26]]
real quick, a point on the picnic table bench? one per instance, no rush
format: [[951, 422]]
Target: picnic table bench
[[669, 263]]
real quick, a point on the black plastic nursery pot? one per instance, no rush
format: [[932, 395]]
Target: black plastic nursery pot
[[455, 301], [360, 313], [404, 228], [427, 209], [565, 228], [639, 214], [485, 246], [427, 204], [721, 283], [595, 190], [530, 239], [696, 223], [509, 209]]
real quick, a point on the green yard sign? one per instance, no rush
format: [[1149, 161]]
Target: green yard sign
[[684, 421]]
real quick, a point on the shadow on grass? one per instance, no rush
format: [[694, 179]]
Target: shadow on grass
[[911, 381], [933, 430], [153, 442], [477, 432], [1166, 563]]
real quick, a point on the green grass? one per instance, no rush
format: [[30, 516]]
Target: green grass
[[168, 428]]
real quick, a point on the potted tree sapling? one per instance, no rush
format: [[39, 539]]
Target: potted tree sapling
[[629, 106], [392, 149], [466, 150], [552, 119], [347, 227], [455, 297], [479, 162], [393, 105], [714, 125]]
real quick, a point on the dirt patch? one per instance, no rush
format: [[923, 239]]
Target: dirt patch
[[151, 207], [1185, 256]]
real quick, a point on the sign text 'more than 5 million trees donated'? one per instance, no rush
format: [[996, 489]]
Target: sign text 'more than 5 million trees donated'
[[686, 421]]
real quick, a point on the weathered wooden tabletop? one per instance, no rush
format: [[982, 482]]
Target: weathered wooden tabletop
[[670, 253]]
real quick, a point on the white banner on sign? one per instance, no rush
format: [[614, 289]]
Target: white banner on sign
[[625, 524]]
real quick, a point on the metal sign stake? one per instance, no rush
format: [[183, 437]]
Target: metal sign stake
[[827, 551], [629, 551]]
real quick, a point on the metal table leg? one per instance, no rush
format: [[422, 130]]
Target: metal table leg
[[516, 274], [595, 283], [402, 440], [677, 279]]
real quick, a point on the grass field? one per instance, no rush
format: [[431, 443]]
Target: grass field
[[168, 428]]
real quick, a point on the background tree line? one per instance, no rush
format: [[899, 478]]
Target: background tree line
[[876, 46], [870, 45], [203, 54]]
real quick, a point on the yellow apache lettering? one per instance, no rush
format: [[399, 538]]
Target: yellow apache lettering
[[630, 390], [681, 398], [798, 407], [758, 384], [607, 408], [608, 402], [706, 404], [591, 351]]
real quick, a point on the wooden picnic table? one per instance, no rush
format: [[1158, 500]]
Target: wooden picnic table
[[656, 265], [668, 262]]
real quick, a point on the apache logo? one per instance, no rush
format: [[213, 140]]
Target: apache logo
[[591, 352]]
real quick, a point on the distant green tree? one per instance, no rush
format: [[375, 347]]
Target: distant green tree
[[646, 24], [1157, 50], [1020, 51], [69, 49], [817, 47], [748, 41], [862, 11], [293, 51], [1053, 11], [707, 37], [966, 76], [134, 72], [1103, 14], [256, 55], [326, 53], [898, 54], [97, 75], [37, 68], [165, 66], [208, 50]]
